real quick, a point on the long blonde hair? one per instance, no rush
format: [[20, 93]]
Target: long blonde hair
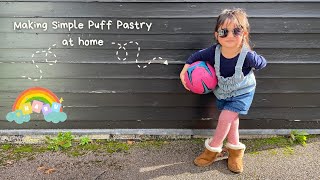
[[237, 16]]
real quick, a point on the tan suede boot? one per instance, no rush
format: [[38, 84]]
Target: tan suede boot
[[235, 159], [208, 156]]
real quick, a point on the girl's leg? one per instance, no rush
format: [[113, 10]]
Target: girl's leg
[[233, 135], [226, 118]]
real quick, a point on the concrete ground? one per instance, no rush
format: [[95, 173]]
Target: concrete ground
[[172, 160]]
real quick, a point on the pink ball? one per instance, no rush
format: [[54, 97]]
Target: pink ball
[[201, 77]]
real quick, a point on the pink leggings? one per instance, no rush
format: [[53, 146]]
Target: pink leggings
[[228, 125]]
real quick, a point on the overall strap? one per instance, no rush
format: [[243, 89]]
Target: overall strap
[[242, 57], [238, 68], [217, 59]]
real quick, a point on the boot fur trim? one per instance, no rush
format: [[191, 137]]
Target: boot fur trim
[[212, 149], [236, 147]]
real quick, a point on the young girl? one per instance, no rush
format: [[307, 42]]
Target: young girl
[[234, 62]]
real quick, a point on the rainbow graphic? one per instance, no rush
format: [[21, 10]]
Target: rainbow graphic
[[37, 100], [35, 93]]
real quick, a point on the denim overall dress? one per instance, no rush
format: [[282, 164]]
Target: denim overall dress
[[234, 93]]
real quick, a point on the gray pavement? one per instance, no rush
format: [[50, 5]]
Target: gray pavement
[[174, 160]]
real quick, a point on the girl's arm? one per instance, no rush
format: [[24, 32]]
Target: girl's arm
[[183, 71], [256, 61], [201, 55]]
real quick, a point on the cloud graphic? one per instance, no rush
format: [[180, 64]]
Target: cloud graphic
[[11, 116], [56, 117], [18, 117]]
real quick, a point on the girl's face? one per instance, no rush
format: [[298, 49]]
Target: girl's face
[[234, 35]]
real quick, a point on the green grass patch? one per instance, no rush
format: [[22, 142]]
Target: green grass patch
[[75, 153], [91, 147], [197, 140], [313, 136], [273, 152], [62, 141], [23, 149], [288, 151], [16, 152], [267, 143], [65, 143], [298, 137], [254, 152], [6, 147], [150, 144], [115, 146]]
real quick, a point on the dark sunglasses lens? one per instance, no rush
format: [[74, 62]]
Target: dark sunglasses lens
[[237, 31], [223, 33]]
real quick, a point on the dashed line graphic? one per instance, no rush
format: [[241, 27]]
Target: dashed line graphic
[[51, 58], [48, 54], [123, 47]]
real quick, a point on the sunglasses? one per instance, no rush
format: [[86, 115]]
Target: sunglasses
[[224, 32]]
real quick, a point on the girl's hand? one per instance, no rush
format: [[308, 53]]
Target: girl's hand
[[183, 71]]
